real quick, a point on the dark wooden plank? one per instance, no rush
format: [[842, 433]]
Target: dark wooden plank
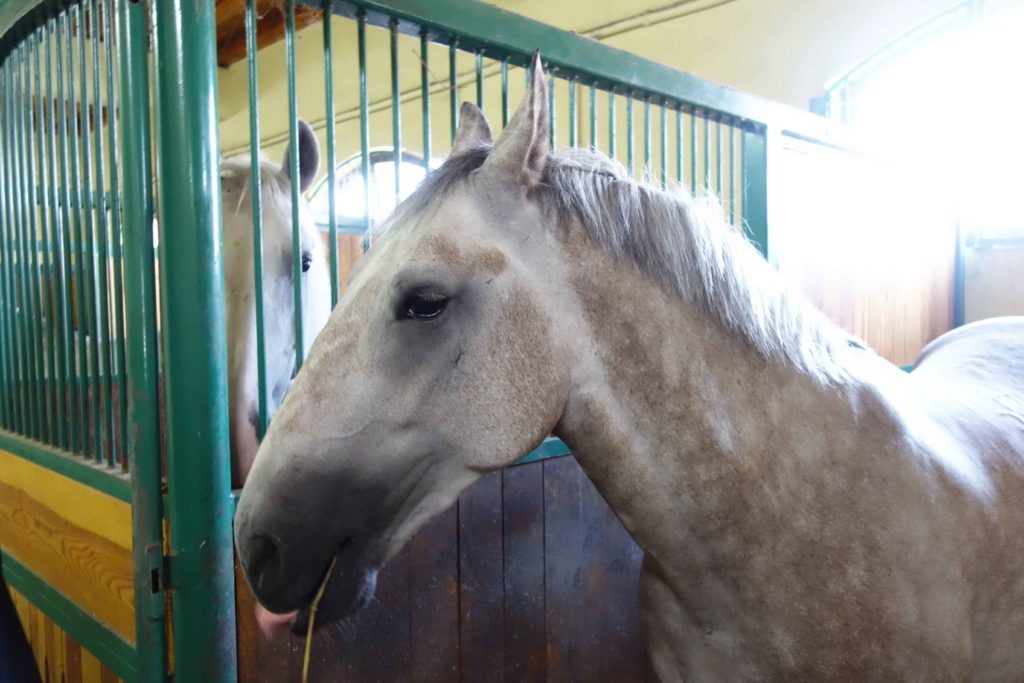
[[481, 582], [592, 574], [523, 511], [434, 600]]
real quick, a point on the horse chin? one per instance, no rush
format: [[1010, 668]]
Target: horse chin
[[350, 588]]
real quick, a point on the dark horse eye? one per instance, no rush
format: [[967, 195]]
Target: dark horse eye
[[423, 306], [307, 261]]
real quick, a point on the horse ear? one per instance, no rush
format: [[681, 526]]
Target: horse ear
[[522, 148], [309, 157], [473, 129]]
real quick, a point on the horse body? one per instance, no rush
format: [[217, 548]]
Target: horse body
[[807, 511]]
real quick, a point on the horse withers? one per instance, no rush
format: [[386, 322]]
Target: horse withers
[[807, 511]]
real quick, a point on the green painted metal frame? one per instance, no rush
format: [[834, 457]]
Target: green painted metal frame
[[99, 476], [194, 350]]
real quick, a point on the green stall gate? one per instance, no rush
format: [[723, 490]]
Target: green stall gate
[[115, 495]]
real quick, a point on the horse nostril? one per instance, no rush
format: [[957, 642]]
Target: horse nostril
[[263, 558]]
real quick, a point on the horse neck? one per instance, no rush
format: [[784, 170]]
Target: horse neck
[[678, 421]]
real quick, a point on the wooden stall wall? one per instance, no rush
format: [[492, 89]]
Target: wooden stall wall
[[531, 577], [60, 658]]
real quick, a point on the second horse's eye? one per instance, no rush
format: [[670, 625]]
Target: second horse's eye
[[307, 261], [423, 306]]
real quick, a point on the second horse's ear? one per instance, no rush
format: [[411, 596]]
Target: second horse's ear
[[521, 151], [309, 157]]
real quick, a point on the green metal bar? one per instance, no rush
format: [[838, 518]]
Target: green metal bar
[[647, 135], [90, 633], [364, 127], [256, 193], [42, 251], [117, 361], [479, 77], [693, 152], [140, 379], [106, 422], [504, 93], [22, 153], [611, 124], [593, 116], [293, 142], [6, 267], [194, 349], [331, 161], [664, 146], [396, 111], [91, 295], [6, 387], [56, 268], [755, 189], [707, 153], [718, 158], [679, 146], [73, 424], [572, 112], [425, 96], [13, 240], [79, 269], [453, 86], [630, 165], [732, 174], [36, 212]]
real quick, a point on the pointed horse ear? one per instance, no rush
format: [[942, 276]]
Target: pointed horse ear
[[521, 151], [309, 157], [473, 129]]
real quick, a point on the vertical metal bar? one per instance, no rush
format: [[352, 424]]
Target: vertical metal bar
[[195, 353], [693, 152], [647, 135], [140, 380], [36, 216], [90, 294], [572, 112], [6, 390], [396, 110], [679, 146], [707, 153], [593, 116], [611, 124], [364, 125], [332, 219], [23, 154], [103, 379], [42, 248], [504, 92], [718, 158], [480, 80], [629, 132], [755, 188], [110, 31], [425, 95], [664, 146], [7, 250], [60, 37], [77, 203], [256, 193], [453, 87], [732, 175], [58, 333], [293, 157], [553, 130]]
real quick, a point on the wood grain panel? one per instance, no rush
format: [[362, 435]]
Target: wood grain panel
[[75, 538], [59, 657]]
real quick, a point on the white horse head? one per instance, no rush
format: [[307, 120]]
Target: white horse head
[[278, 293]]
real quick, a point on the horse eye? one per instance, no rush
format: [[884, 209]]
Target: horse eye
[[307, 261], [423, 306]]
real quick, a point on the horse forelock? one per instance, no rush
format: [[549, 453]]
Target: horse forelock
[[684, 242]]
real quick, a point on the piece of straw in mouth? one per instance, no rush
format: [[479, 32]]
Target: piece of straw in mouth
[[312, 617]]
